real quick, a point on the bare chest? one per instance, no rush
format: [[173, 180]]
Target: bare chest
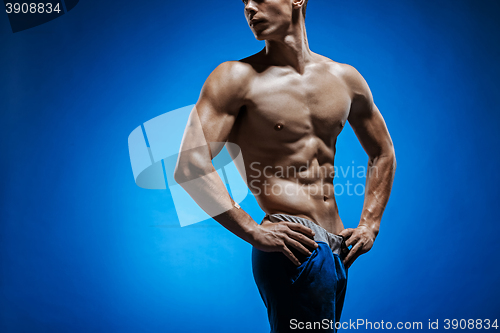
[[290, 107]]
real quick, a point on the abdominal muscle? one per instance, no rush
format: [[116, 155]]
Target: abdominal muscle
[[309, 195]]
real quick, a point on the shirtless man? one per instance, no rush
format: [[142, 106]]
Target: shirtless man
[[283, 109]]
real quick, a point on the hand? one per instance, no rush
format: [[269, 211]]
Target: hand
[[280, 236], [361, 239]]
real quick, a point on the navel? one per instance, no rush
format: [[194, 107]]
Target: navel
[[279, 126]]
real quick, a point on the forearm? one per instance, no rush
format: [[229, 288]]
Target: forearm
[[237, 221], [381, 170], [209, 192]]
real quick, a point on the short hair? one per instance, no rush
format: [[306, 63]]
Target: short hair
[[304, 8]]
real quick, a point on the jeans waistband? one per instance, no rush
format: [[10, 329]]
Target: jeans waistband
[[336, 242]]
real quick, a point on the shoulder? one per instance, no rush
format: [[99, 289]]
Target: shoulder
[[361, 97], [225, 88], [353, 80], [229, 80], [230, 74]]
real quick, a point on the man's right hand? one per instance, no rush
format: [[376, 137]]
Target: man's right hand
[[280, 236]]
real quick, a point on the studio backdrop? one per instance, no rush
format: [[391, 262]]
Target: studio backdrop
[[87, 245]]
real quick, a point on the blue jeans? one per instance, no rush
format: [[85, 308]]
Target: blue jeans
[[311, 293]]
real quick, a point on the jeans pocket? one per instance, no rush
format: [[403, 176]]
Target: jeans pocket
[[302, 271]]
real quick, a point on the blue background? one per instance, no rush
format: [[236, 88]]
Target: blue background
[[82, 248]]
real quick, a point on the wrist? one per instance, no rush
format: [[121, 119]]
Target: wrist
[[252, 233], [374, 227]]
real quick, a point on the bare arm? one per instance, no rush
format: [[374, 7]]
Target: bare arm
[[209, 126], [371, 130]]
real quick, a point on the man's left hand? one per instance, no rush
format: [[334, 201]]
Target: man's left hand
[[361, 239]]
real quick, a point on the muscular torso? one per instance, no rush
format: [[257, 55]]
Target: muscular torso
[[287, 131]]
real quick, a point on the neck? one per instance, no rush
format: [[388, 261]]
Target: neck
[[292, 49]]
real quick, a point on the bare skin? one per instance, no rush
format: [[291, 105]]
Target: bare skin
[[284, 107]]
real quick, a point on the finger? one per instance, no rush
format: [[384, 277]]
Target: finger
[[302, 239], [290, 255], [346, 233], [298, 246], [354, 253], [352, 240], [301, 228]]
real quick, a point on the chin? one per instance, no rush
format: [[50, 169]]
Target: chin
[[258, 35], [261, 36]]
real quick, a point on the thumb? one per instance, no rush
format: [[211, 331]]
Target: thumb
[[346, 233]]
